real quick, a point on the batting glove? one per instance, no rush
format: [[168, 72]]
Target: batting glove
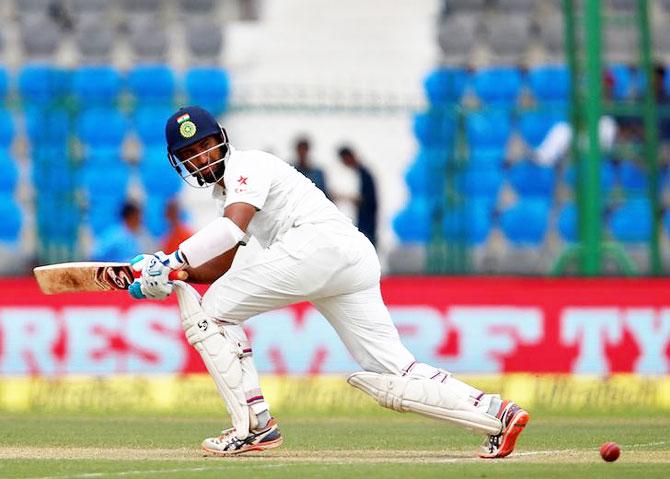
[[154, 280]]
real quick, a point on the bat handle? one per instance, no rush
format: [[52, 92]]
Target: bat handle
[[175, 274]]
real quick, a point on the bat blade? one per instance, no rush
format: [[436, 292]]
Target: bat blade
[[83, 276]]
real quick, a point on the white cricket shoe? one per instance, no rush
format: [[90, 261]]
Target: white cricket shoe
[[228, 444]]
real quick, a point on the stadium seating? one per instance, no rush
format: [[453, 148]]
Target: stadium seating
[[525, 223], [567, 224], [456, 35], [154, 216], [470, 224], [633, 178], [534, 125], [434, 129], [206, 46], [415, 222], [622, 81], [96, 86], [446, 86], [208, 87], [102, 128], [489, 129], [46, 125], [481, 182], [152, 83], [498, 86], [9, 176], [530, 180], [632, 221], [4, 83], [423, 179], [12, 219], [94, 37], [105, 180], [149, 124], [550, 83], [157, 175], [608, 176], [42, 84]]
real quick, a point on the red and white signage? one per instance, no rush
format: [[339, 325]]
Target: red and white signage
[[465, 325]]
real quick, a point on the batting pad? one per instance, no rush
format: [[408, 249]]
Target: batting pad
[[426, 397], [221, 355]]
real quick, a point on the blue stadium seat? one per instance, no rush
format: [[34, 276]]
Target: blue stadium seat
[[434, 130], [43, 84], [550, 83], [525, 224], [208, 87], [8, 130], [498, 86], [608, 176], [152, 83], [102, 128], [53, 179], [445, 86], [158, 177], [4, 83], [435, 157], [486, 157], [56, 218], [46, 126], [106, 157], [568, 226], [470, 224], [104, 210], [424, 179], [9, 174], [96, 85], [534, 125], [623, 81], [414, 223], [632, 178], [154, 215], [105, 180], [12, 219], [149, 124], [482, 182], [488, 129], [532, 180], [632, 222]]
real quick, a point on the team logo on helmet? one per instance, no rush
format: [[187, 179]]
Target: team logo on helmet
[[187, 129]]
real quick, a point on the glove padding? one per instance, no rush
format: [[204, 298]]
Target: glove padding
[[153, 282]]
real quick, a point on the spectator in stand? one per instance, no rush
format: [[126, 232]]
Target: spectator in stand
[[177, 229], [303, 164], [557, 141], [366, 201], [122, 241]]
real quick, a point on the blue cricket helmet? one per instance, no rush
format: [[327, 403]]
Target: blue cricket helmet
[[187, 127]]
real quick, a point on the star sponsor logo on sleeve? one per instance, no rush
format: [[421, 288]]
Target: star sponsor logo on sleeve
[[241, 184]]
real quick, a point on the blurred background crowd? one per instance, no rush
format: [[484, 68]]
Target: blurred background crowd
[[444, 128]]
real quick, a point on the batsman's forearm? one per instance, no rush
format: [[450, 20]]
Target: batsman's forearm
[[213, 269]]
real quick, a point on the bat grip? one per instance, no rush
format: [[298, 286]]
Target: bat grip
[[175, 274]]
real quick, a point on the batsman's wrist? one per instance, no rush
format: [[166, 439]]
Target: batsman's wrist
[[177, 260]]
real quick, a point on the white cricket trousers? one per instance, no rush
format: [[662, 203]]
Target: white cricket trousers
[[331, 265]]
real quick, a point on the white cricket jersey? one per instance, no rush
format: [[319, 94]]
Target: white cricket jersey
[[283, 196]]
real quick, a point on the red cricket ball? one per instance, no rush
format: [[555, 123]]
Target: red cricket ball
[[610, 451]]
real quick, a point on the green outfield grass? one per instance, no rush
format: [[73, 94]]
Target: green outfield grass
[[384, 445]]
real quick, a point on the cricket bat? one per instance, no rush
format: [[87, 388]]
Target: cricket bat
[[89, 276]]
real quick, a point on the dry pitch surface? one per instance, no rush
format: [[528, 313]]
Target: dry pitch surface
[[386, 445]]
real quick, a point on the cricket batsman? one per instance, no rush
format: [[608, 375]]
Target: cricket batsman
[[311, 252]]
